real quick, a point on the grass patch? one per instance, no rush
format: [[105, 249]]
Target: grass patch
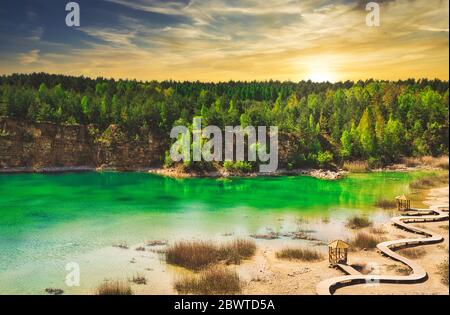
[[114, 287], [378, 230], [356, 166], [365, 240], [211, 281], [430, 181], [412, 252], [197, 255], [438, 162], [443, 271], [303, 254], [386, 204], [357, 222]]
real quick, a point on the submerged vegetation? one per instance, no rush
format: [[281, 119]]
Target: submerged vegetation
[[216, 280], [325, 124], [304, 254], [197, 255], [386, 203]]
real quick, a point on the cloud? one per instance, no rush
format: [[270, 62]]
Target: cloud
[[36, 34], [218, 40], [30, 57]]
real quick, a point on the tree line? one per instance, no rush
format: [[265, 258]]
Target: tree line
[[377, 121]]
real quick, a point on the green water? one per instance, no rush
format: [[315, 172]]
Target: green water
[[49, 220]]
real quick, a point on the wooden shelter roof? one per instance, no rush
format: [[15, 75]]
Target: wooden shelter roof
[[338, 244], [402, 197]]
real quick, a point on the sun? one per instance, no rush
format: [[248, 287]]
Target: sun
[[321, 73]]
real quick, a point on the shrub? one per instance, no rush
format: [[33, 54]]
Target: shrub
[[357, 222], [168, 162], [212, 281], [324, 159], [238, 166], [114, 287], [303, 254]]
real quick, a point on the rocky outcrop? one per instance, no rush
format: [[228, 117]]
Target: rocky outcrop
[[33, 146]]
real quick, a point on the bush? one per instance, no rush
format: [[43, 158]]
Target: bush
[[168, 162], [303, 254], [324, 159], [356, 222], [238, 166], [212, 281], [114, 287]]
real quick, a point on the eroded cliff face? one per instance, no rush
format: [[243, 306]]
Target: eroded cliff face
[[31, 145]]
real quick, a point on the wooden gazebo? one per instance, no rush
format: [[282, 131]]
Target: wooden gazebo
[[403, 203], [337, 252]]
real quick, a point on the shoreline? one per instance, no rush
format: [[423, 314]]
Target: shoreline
[[221, 173]]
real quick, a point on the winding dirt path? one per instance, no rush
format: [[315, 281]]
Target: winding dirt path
[[418, 274]]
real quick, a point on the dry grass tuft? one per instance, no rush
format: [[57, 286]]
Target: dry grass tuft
[[430, 181], [356, 166], [378, 230], [138, 279], [211, 281], [357, 222], [114, 287], [197, 255], [364, 240], [443, 271], [303, 254], [412, 252], [429, 161]]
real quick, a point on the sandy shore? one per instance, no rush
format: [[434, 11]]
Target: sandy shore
[[265, 274]]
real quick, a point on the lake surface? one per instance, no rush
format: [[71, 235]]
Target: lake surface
[[47, 220]]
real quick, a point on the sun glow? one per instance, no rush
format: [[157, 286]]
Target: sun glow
[[321, 73]]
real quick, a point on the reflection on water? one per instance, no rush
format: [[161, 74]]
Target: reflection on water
[[48, 220]]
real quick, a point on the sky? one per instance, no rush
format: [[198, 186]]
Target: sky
[[221, 40]]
